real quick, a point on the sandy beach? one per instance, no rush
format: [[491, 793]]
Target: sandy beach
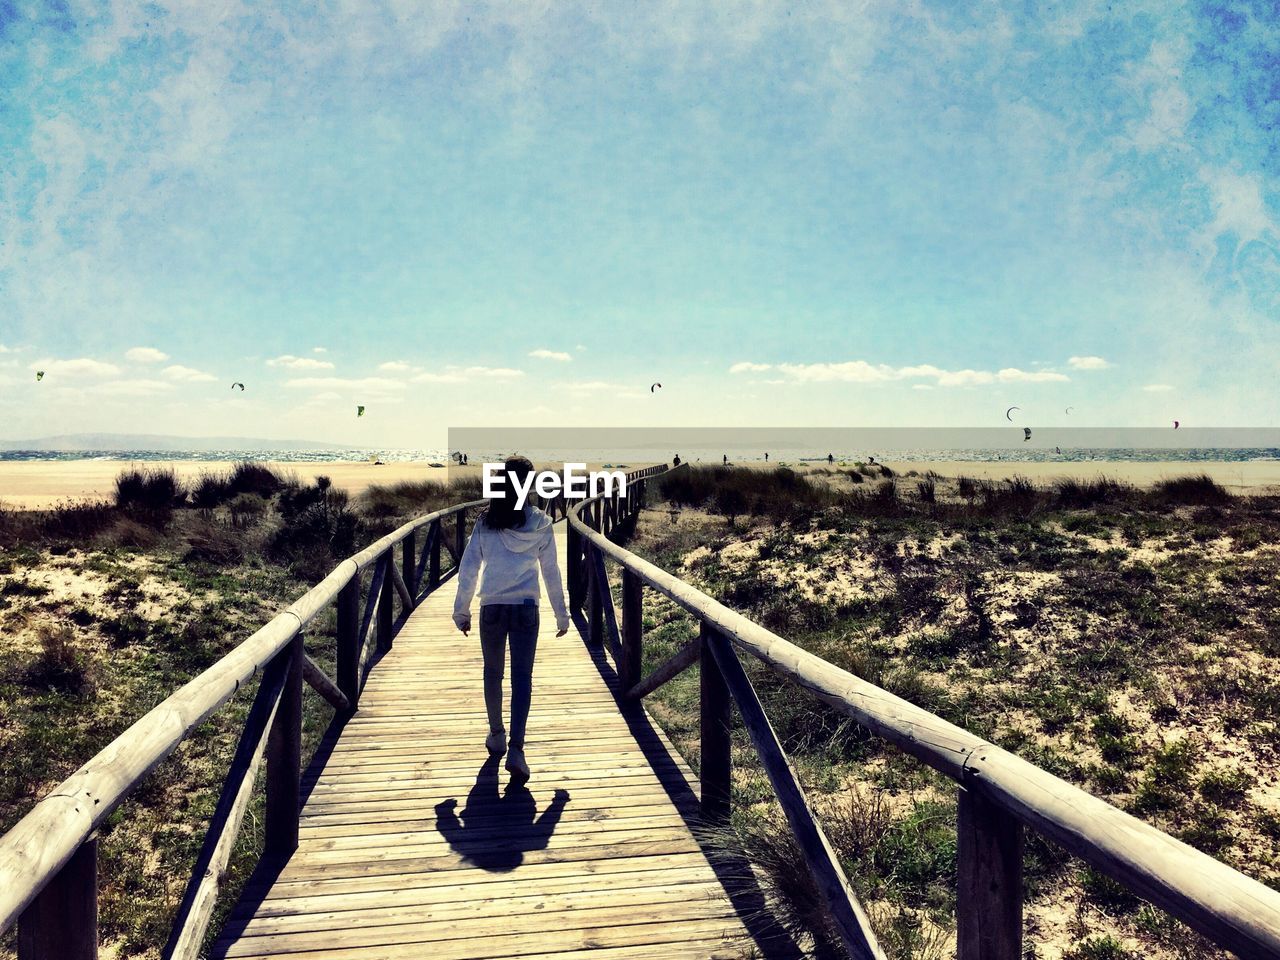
[[40, 484]]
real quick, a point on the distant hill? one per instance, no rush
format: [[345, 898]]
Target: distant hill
[[113, 442]]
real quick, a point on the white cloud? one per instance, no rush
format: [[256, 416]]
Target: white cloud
[[458, 374], [373, 384], [592, 386], [395, 366], [580, 347], [1087, 363], [544, 354], [187, 374], [290, 362], [133, 388], [860, 371], [4, 349], [439, 378], [81, 367], [146, 355], [1157, 388], [319, 350]]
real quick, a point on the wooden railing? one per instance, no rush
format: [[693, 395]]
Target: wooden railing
[[999, 794], [48, 861]]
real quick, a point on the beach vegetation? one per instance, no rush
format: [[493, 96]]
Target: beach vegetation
[[1078, 624]]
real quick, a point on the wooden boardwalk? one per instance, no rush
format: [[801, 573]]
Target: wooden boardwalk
[[411, 845]]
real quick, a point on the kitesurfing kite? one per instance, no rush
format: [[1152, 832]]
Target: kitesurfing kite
[[655, 387], [240, 385], [359, 411], [1009, 411], [1068, 410], [1026, 434], [39, 375], [1175, 424]]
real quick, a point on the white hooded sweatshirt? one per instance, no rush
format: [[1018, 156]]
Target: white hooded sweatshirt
[[510, 560]]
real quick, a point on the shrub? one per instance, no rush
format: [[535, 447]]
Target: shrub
[[967, 487], [211, 490], [149, 493], [213, 543], [60, 665], [78, 521], [247, 509], [1089, 493], [729, 502], [257, 478], [1199, 490], [927, 491], [317, 527]]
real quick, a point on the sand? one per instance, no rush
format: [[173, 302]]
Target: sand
[[1246, 476], [37, 484]]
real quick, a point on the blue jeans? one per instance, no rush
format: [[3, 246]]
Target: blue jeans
[[519, 621]]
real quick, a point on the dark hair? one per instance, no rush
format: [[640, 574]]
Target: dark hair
[[502, 513]]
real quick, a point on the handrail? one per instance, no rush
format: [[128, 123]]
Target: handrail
[[43, 842], [1236, 912]]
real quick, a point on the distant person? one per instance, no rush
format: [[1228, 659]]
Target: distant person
[[766, 456], [831, 458], [675, 461], [871, 460], [506, 548], [465, 461], [726, 459]]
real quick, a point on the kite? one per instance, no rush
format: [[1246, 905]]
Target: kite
[[1026, 434], [1068, 410], [1057, 449], [359, 411], [1009, 411], [39, 375], [1175, 424], [240, 385], [655, 387]]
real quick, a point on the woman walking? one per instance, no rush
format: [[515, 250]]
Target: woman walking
[[506, 550]]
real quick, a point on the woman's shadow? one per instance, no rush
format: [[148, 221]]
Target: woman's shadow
[[495, 830]]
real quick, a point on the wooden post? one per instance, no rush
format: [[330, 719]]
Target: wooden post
[[408, 558], [573, 567], [461, 534], [284, 759], [386, 601], [433, 567], [632, 629], [988, 881], [61, 923], [595, 609], [348, 654], [716, 766]]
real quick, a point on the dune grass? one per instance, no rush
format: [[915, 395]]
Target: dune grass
[[1118, 637]]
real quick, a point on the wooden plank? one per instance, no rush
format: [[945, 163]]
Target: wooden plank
[[319, 681], [374, 875], [670, 668], [196, 909]]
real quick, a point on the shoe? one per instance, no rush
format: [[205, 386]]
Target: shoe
[[517, 766], [496, 742]]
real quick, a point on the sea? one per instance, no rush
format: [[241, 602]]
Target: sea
[[623, 455]]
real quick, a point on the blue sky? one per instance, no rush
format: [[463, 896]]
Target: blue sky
[[469, 214]]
